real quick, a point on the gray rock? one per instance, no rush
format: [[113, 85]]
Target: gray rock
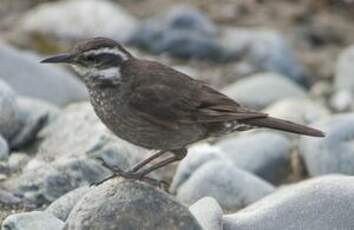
[[48, 182], [9, 124], [129, 205], [197, 156], [35, 220], [182, 32], [79, 20], [46, 82], [8, 198], [300, 110], [4, 149], [273, 87], [208, 213], [324, 203], [33, 114], [17, 161], [335, 152], [344, 70], [266, 50], [233, 188], [342, 100], [265, 154], [62, 207]]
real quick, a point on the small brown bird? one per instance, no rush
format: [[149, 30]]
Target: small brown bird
[[154, 106]]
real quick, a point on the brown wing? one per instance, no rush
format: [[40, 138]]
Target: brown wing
[[168, 97]]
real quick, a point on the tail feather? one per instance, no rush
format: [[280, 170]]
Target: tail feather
[[288, 126]]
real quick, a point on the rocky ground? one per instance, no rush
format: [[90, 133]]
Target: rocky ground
[[291, 59]]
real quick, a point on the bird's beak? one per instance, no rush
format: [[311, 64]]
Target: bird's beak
[[59, 58]]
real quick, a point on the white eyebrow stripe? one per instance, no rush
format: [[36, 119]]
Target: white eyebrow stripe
[[108, 50]]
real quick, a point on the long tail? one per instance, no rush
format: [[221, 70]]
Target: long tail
[[288, 126]]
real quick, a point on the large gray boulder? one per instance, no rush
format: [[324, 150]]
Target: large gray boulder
[[46, 82], [324, 203], [118, 204]]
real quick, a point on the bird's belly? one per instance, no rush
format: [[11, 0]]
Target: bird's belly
[[135, 129]]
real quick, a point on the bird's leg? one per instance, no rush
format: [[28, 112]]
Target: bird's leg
[[147, 160]]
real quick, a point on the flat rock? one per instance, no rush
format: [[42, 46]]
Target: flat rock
[[323, 203], [79, 19], [208, 213], [46, 82], [300, 110], [35, 220], [265, 154], [232, 187], [62, 206], [129, 205], [335, 152], [266, 50], [274, 87]]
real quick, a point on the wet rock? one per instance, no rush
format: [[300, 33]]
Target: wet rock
[[35, 220], [73, 20], [266, 50], [46, 82], [265, 154], [300, 110], [334, 153], [233, 188], [182, 32], [324, 203], [273, 87], [129, 205], [208, 213], [62, 207]]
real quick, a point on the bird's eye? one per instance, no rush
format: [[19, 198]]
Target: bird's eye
[[90, 58]]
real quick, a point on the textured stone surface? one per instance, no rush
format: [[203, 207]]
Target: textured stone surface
[[129, 205], [35, 220], [62, 206], [265, 154], [233, 188], [80, 19], [208, 213], [324, 203], [335, 152], [273, 87]]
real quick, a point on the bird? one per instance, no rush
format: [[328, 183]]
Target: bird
[[157, 107]]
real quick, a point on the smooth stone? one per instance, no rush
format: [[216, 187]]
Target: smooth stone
[[48, 182], [323, 203], [344, 70], [79, 19], [17, 161], [62, 206], [267, 50], [8, 198], [299, 110], [198, 155], [183, 31], [333, 153], [342, 100], [232, 187], [265, 154], [274, 87], [33, 114], [4, 149], [35, 220], [46, 82], [9, 124], [208, 213], [129, 205]]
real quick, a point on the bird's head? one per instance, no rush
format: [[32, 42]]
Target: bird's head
[[96, 58]]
